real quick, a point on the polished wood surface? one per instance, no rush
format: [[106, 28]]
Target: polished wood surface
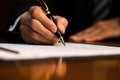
[[76, 69]]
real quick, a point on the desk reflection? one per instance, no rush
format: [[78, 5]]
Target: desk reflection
[[31, 70], [108, 69]]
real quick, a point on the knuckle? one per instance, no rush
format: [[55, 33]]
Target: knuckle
[[23, 16], [35, 10]]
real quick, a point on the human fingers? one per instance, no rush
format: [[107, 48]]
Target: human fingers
[[33, 37], [25, 18], [107, 29], [37, 30], [103, 35], [97, 31], [81, 35], [39, 14], [99, 37], [61, 23], [91, 32]]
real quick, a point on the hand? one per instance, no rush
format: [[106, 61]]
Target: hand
[[100, 31], [37, 28]]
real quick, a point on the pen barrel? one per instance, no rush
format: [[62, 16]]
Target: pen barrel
[[51, 18], [49, 15], [57, 33]]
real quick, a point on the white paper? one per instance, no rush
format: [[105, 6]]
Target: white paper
[[27, 51]]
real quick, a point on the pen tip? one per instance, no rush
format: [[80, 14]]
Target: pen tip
[[62, 41]]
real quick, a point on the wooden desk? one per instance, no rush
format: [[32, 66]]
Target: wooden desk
[[77, 69]]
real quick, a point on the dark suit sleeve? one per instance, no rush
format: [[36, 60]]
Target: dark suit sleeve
[[20, 8]]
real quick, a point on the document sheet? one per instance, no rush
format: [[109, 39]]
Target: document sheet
[[26, 51]]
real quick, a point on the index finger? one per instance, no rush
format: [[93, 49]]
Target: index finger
[[40, 15]]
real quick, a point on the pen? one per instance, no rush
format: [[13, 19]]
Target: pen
[[8, 50], [49, 15]]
